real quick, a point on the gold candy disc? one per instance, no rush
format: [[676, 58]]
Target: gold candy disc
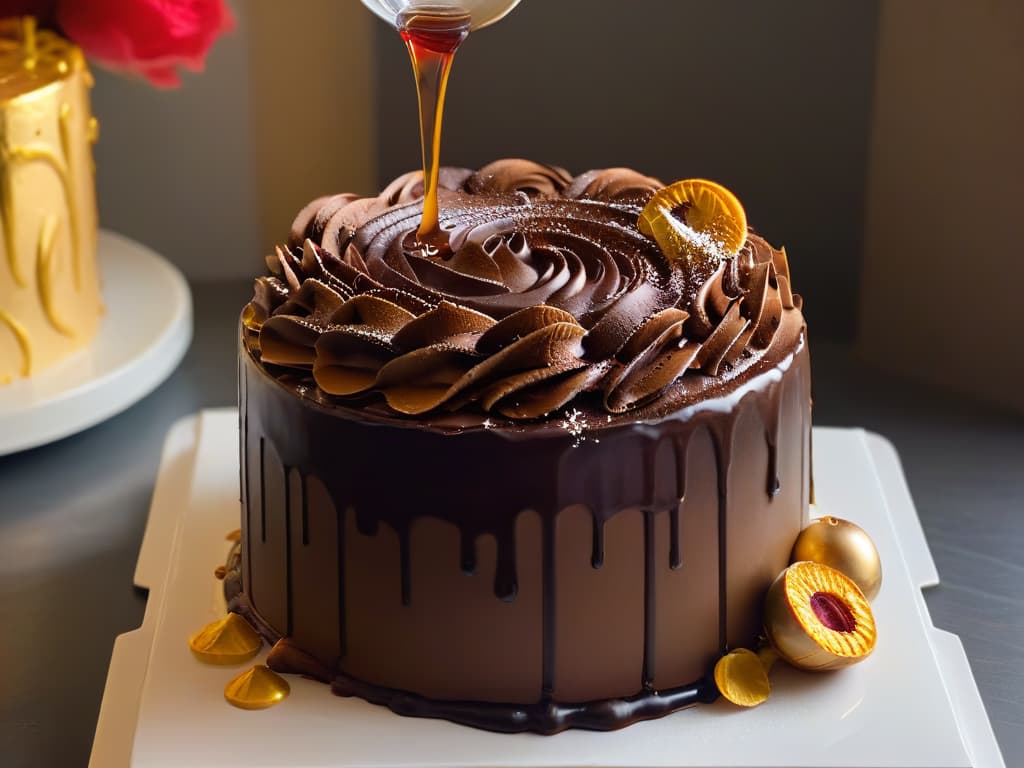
[[741, 678], [230, 640], [257, 688]]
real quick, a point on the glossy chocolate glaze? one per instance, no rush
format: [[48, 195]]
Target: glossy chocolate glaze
[[531, 577], [546, 716]]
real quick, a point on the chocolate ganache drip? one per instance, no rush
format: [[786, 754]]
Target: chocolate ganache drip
[[548, 294]]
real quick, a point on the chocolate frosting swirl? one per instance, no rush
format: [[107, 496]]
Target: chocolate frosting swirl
[[547, 295]]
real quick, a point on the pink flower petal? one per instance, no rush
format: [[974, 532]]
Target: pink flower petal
[[151, 38]]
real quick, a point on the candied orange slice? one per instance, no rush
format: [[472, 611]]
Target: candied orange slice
[[695, 219]]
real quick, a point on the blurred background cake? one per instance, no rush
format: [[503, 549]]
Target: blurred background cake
[[538, 479], [50, 302]]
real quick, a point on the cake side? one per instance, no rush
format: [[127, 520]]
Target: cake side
[[413, 594], [540, 480], [50, 302]]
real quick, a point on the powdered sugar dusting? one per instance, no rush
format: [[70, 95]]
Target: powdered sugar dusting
[[575, 423]]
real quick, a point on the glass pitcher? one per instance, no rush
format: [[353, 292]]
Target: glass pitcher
[[481, 12]]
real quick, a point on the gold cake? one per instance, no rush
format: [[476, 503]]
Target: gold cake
[[50, 302]]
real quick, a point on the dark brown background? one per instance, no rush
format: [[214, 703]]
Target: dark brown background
[[770, 98]]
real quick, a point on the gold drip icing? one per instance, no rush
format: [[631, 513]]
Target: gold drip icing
[[28, 35], [7, 217], [23, 341], [44, 272], [69, 190], [12, 157], [31, 58]]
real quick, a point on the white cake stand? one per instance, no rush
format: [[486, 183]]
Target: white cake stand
[[914, 703], [142, 338]]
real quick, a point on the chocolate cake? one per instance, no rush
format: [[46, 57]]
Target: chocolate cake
[[540, 479]]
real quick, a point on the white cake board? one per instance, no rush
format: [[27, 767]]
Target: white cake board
[[914, 702], [141, 339]]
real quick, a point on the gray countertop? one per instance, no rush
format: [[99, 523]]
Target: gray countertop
[[72, 516]]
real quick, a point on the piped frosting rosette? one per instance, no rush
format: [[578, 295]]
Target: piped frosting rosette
[[548, 294]]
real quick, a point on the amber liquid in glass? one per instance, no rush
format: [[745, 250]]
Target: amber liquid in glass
[[432, 33]]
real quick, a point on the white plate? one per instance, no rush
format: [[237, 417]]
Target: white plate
[[141, 340], [913, 703]]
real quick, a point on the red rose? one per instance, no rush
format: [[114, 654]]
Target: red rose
[[151, 38]]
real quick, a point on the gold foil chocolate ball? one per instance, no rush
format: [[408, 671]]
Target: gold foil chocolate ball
[[742, 678], [230, 640], [844, 546], [816, 618], [257, 688]]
